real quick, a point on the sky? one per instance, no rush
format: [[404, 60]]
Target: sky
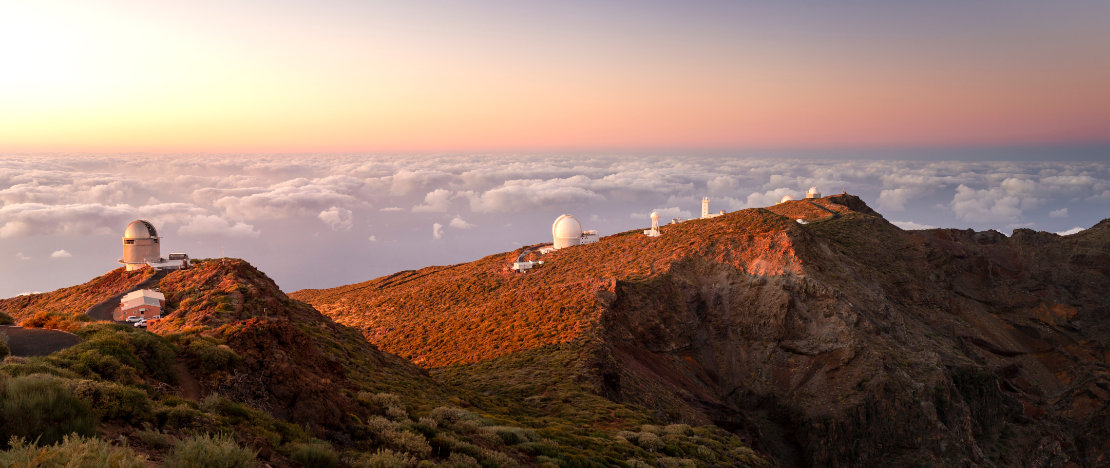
[[282, 76], [331, 142]]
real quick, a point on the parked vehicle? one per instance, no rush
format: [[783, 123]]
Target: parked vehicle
[[141, 323], [133, 318], [156, 317]]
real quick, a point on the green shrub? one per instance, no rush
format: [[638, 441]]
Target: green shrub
[[205, 451], [147, 353], [16, 366], [72, 451], [315, 455], [41, 407], [4, 349], [154, 438], [6, 319], [115, 402], [181, 416], [384, 458]]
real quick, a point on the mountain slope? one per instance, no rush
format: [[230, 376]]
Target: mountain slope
[[842, 341]]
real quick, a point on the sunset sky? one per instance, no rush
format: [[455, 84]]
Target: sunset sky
[[351, 76]]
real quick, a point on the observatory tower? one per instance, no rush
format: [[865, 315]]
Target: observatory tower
[[140, 245], [654, 231]]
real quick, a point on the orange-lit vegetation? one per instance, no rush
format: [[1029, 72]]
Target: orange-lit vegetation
[[65, 308], [471, 312]]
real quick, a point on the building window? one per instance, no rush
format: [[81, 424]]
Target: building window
[[129, 241]]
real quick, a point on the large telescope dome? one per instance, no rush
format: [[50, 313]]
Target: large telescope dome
[[566, 231], [140, 229]]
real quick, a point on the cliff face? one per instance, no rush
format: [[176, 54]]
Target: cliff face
[[841, 341], [887, 346]]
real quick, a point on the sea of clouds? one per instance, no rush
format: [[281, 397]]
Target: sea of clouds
[[322, 221]]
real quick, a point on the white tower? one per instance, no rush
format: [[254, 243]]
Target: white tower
[[140, 245], [704, 207], [654, 231]]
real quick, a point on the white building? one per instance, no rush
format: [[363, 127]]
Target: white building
[[813, 193], [654, 231], [705, 209], [143, 303], [526, 265], [786, 198], [140, 245]]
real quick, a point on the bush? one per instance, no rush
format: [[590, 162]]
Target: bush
[[154, 438], [115, 402], [6, 319], [4, 349], [42, 407], [72, 451], [206, 451], [315, 455], [384, 458]]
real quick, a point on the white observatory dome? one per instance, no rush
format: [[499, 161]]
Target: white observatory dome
[[655, 216], [786, 198], [140, 229], [566, 231], [813, 193]]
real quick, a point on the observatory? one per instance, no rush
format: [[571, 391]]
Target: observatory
[[654, 231], [786, 198], [813, 193], [705, 209], [567, 231], [140, 245]]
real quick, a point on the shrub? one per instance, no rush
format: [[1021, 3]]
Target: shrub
[[410, 442], [212, 356], [315, 455], [206, 451], [41, 407], [154, 438], [72, 451], [460, 460], [4, 349], [6, 319], [115, 402], [384, 458]]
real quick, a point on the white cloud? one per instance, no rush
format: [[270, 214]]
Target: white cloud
[[1060, 213], [372, 238], [910, 225], [20, 256], [771, 197], [1071, 231], [665, 214], [339, 219], [392, 209], [436, 201], [437, 231], [61, 254], [459, 223], [530, 194], [25, 219], [211, 225]]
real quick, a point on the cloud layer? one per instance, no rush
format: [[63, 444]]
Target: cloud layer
[[328, 220]]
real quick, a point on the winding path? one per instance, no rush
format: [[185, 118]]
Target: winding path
[[37, 341]]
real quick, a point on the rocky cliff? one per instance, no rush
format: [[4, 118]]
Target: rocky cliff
[[842, 340]]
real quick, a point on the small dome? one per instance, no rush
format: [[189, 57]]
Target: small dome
[[654, 215], [566, 227], [786, 198], [140, 229]]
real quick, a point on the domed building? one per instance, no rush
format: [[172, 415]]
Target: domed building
[[567, 231], [786, 198], [813, 193], [140, 245]]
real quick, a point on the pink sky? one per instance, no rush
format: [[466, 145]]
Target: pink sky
[[473, 76]]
